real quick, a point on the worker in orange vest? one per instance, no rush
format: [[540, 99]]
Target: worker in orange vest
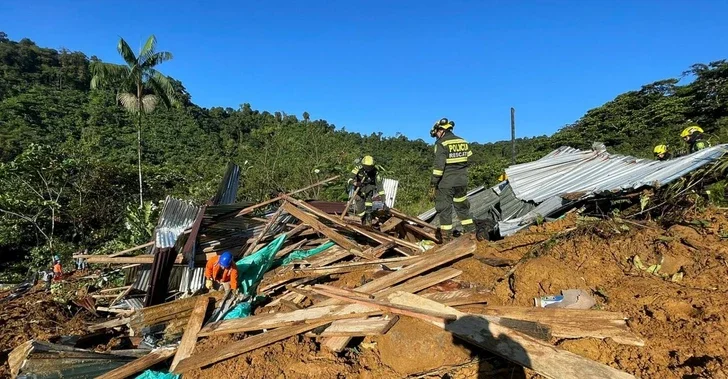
[[57, 269], [221, 273]]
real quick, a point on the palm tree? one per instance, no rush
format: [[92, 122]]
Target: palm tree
[[140, 87]]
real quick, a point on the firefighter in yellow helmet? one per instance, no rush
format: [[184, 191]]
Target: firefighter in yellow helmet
[[661, 153], [694, 137], [449, 181], [368, 186]]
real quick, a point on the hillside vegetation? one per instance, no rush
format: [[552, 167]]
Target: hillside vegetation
[[68, 154]]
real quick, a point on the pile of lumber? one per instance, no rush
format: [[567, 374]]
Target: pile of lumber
[[303, 297]]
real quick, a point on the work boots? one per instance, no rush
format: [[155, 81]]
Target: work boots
[[444, 236]]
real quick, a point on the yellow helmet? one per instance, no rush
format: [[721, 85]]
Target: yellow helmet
[[443, 123], [368, 160], [502, 177], [690, 130], [660, 149]]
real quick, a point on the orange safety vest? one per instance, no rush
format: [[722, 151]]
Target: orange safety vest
[[57, 271], [214, 271]]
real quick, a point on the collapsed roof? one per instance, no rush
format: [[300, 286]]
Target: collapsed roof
[[567, 176]]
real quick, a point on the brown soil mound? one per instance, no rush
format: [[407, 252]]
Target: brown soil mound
[[34, 316]]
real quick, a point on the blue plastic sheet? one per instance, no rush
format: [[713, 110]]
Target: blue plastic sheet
[[302, 254], [150, 374]]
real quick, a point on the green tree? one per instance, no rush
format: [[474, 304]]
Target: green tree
[[140, 87]]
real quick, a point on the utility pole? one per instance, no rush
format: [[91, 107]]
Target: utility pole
[[513, 135]]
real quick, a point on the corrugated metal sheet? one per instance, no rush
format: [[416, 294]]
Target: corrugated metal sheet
[[144, 275], [192, 280], [134, 303], [568, 170], [176, 216], [548, 207], [227, 191], [390, 191]]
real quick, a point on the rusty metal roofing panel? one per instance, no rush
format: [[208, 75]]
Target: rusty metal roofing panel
[[227, 191], [176, 216], [568, 170]]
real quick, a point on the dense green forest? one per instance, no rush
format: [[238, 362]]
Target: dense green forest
[[68, 154]]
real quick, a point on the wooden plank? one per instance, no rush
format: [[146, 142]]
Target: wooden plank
[[442, 255], [319, 226], [420, 232], [519, 348], [234, 349], [382, 238], [17, 356], [331, 255], [281, 319], [189, 338], [121, 296], [141, 364], [148, 244], [336, 344], [386, 306], [123, 312], [457, 297], [360, 328], [376, 252], [107, 290], [268, 225], [109, 324], [390, 224], [279, 198], [163, 313], [411, 219], [572, 323], [355, 266], [422, 282]]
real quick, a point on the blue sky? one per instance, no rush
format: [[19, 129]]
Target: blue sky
[[397, 66]]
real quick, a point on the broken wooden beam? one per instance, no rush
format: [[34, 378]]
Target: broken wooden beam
[[164, 313], [148, 244], [141, 364], [259, 237], [234, 349], [115, 323], [529, 352], [189, 338], [411, 219], [280, 319], [356, 298], [572, 323], [360, 328], [323, 229], [457, 297]]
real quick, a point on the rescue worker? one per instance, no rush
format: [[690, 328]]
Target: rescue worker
[[57, 268], [449, 181], [221, 273], [661, 153], [366, 179], [694, 137]]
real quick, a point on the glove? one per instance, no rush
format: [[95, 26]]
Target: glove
[[208, 284], [431, 193], [377, 198]]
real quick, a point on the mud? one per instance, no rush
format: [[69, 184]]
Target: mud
[[684, 324], [35, 316]]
